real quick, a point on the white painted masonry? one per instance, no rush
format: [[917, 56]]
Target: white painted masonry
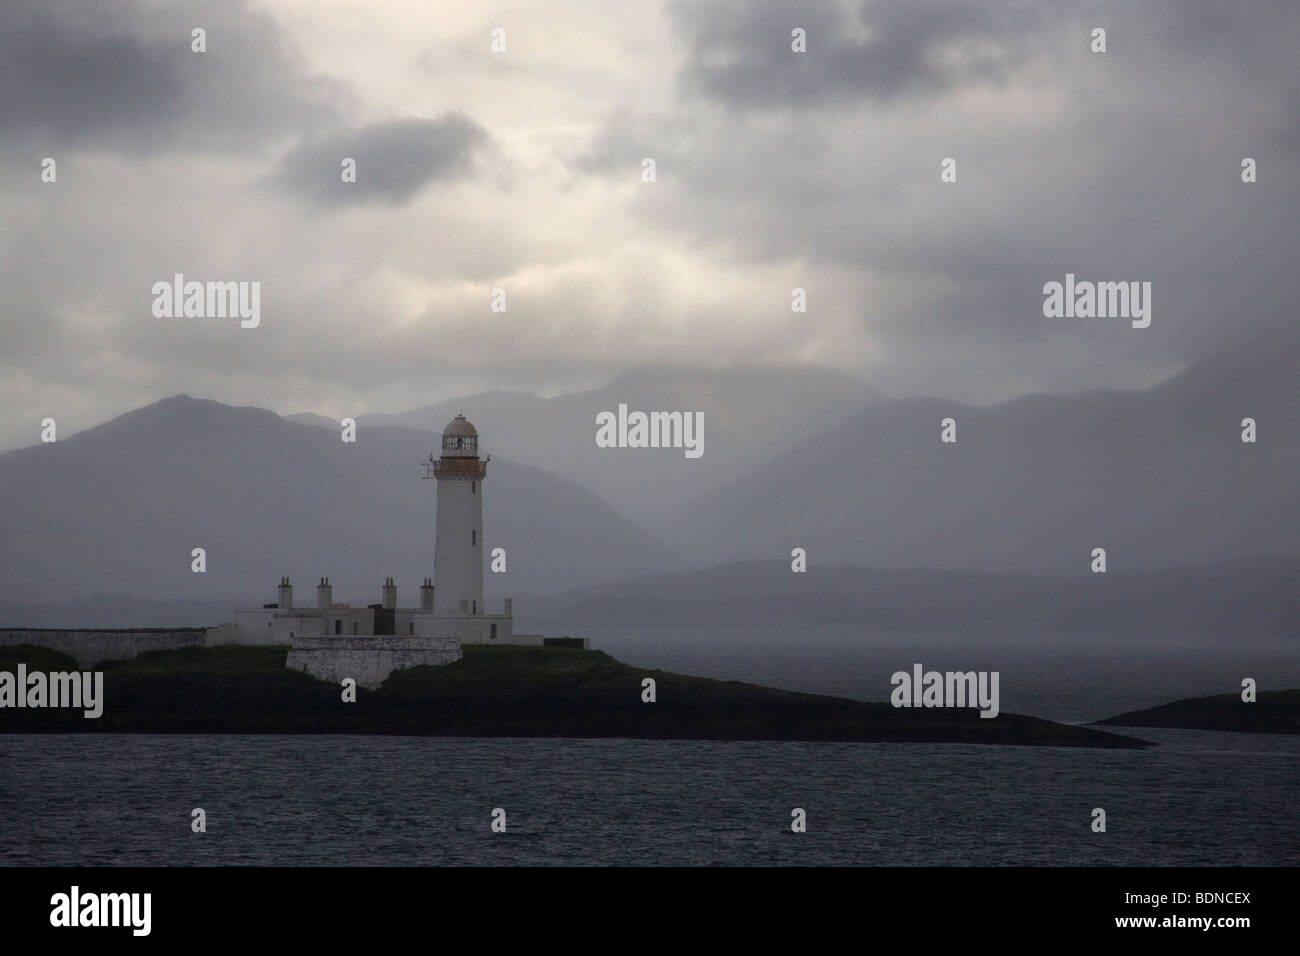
[[458, 547], [333, 641]]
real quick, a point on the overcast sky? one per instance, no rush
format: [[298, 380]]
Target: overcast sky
[[522, 170]]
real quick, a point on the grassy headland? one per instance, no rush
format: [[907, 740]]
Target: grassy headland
[[497, 692], [1273, 712]]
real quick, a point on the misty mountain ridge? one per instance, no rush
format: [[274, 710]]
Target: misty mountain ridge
[[750, 414], [1158, 478], [118, 509]]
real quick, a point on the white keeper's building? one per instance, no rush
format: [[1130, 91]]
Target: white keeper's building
[[451, 602]]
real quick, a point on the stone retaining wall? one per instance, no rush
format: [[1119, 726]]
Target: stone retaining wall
[[368, 660]]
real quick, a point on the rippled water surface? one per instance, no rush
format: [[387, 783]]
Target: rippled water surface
[[1200, 798]]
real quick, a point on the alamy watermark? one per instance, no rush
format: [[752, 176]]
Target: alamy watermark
[[56, 689], [1101, 300], [653, 430], [208, 300], [950, 689], [75, 908]]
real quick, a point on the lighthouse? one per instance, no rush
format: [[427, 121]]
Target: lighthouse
[[458, 542], [451, 611]]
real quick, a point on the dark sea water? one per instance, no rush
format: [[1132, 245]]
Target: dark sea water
[[1074, 678], [1197, 798]]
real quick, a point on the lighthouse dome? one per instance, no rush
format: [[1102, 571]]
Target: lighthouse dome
[[460, 439]]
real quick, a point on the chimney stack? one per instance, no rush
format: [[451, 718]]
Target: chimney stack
[[390, 594], [285, 596], [426, 595], [324, 594]]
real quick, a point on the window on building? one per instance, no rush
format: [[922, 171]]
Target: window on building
[[473, 487], [474, 605], [494, 632], [354, 627], [411, 628], [473, 536], [338, 627]]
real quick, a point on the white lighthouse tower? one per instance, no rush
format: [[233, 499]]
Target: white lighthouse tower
[[451, 610], [458, 545], [337, 642]]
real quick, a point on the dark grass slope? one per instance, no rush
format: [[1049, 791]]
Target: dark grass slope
[[1274, 712], [501, 692], [36, 658]]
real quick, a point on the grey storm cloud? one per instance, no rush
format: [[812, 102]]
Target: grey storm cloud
[[1121, 165], [394, 160], [775, 169], [122, 76], [740, 52]]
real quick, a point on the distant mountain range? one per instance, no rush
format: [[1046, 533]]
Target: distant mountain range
[[750, 414], [117, 509], [1157, 478], [794, 457]]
